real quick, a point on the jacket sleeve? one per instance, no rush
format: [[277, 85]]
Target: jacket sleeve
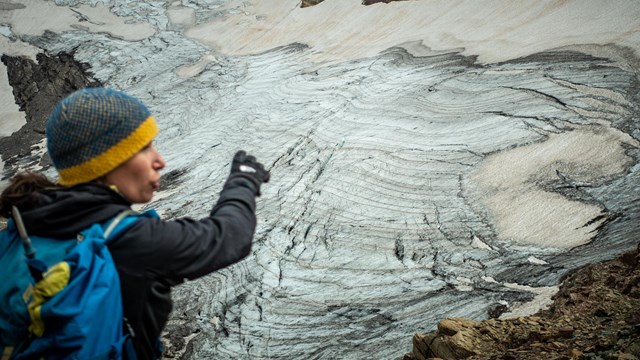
[[187, 248]]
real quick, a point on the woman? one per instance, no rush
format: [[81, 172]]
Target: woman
[[100, 142]]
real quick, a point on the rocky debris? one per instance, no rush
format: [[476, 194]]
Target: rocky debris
[[595, 315], [307, 3], [371, 2], [37, 88]]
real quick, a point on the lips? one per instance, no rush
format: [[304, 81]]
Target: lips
[[155, 185]]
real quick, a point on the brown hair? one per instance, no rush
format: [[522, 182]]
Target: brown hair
[[23, 191]]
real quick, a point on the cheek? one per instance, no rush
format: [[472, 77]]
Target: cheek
[[131, 178], [140, 169]]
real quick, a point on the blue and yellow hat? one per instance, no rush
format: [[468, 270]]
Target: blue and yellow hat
[[94, 130]]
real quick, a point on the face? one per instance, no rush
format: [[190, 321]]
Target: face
[[138, 177]]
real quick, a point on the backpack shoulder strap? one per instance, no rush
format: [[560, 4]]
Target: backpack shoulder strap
[[129, 216], [114, 223]]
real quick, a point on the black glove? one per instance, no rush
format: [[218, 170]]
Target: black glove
[[248, 167]]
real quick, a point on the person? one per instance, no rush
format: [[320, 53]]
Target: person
[[101, 144]]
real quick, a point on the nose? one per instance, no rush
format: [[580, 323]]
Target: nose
[[158, 161]]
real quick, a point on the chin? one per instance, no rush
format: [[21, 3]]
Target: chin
[[142, 200]]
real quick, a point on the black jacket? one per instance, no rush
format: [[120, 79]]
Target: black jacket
[[153, 255]]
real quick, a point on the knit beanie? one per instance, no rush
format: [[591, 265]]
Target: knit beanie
[[94, 130]]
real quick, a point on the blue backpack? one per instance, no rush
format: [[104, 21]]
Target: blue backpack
[[64, 303]]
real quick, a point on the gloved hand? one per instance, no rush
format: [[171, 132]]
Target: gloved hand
[[247, 166]]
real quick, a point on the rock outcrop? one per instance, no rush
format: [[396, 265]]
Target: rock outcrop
[[596, 314], [37, 88]]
